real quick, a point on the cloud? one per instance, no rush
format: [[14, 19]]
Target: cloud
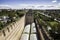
[[5, 6], [30, 6], [54, 1], [58, 3]]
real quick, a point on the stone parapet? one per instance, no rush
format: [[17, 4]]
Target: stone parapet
[[13, 31]]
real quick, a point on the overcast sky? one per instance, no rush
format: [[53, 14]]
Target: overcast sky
[[34, 4]]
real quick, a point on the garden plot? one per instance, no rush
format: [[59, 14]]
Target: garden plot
[[33, 24], [33, 28], [27, 29], [24, 37], [33, 37]]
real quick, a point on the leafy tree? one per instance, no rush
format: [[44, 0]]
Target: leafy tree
[[58, 27]]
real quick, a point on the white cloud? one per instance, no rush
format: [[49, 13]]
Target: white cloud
[[5, 6], [30, 6], [54, 1], [58, 3]]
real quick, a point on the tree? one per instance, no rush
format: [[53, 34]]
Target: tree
[[58, 27]]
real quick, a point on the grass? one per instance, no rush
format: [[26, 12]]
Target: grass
[[52, 23]]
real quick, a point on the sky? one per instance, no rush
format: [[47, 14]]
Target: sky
[[30, 4]]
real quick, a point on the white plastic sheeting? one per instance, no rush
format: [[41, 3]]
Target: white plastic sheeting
[[33, 25], [25, 37], [27, 29], [33, 37], [33, 30]]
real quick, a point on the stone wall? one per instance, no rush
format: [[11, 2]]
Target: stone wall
[[13, 31], [29, 16]]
